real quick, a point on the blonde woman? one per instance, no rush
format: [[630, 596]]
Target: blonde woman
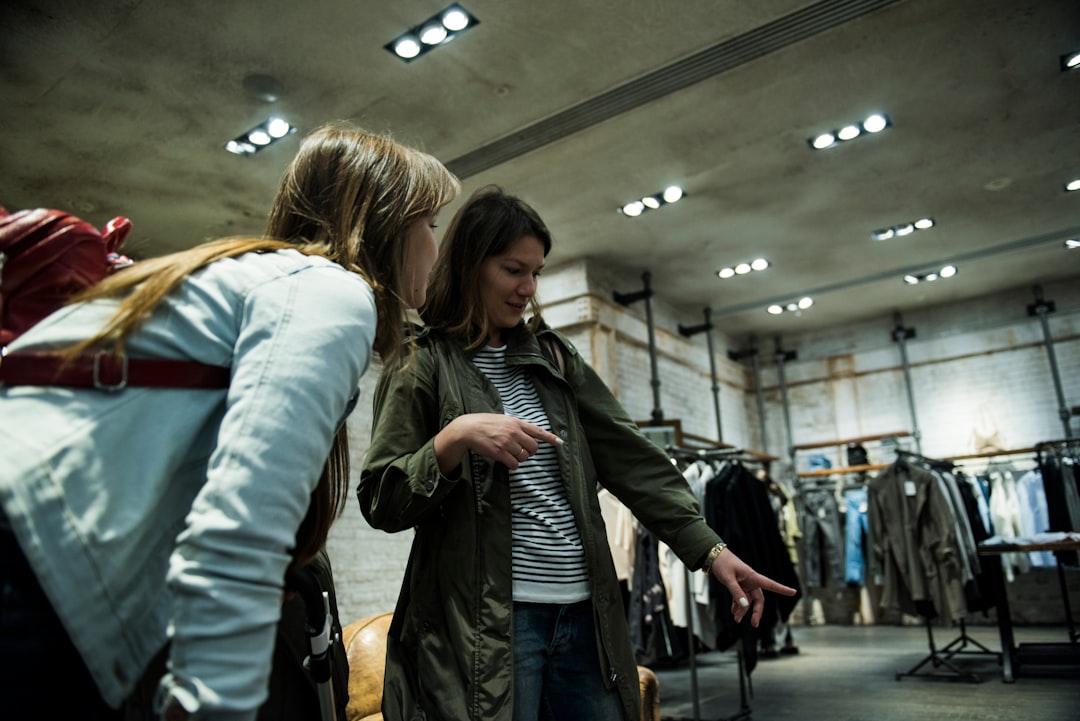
[[151, 514]]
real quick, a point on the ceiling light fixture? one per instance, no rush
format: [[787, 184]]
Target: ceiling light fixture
[[947, 271], [1070, 61], [1072, 185], [437, 30], [261, 136], [795, 306], [1072, 244], [671, 194], [873, 124], [902, 229], [742, 268]]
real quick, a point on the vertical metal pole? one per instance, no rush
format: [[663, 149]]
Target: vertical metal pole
[[900, 334], [715, 380], [1042, 308], [627, 299], [755, 360], [782, 356]]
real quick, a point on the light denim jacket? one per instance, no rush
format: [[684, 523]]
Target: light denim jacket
[[150, 511]]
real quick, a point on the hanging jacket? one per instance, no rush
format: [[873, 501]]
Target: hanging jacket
[[450, 646]]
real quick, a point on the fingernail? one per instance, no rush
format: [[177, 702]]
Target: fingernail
[[743, 602], [559, 441]]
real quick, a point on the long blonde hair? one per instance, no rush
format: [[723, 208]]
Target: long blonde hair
[[348, 195]]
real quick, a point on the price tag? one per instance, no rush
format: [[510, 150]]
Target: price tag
[[909, 488]]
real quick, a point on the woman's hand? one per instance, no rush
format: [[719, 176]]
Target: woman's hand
[[500, 437], [746, 586]]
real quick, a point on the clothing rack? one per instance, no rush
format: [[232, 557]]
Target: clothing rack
[[1070, 447], [942, 657], [722, 453]]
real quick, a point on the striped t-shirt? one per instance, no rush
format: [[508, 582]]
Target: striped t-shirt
[[549, 563]]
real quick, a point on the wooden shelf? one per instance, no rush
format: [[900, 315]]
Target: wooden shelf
[[843, 470], [849, 441]]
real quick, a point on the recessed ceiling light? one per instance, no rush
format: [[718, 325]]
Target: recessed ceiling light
[[760, 264], [911, 279], [407, 47], [775, 309], [1072, 185], [806, 302], [742, 268], [633, 209], [261, 136], [848, 132], [883, 234], [1072, 244], [875, 123], [1070, 61], [924, 223], [948, 271], [434, 32], [823, 141], [455, 19], [650, 202], [730, 272], [673, 193]]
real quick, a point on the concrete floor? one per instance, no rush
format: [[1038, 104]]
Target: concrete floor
[[849, 673]]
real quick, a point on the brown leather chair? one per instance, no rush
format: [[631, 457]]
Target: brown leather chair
[[365, 644]]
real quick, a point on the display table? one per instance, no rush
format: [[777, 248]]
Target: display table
[[1013, 656]]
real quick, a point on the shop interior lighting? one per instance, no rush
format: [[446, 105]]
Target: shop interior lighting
[[1072, 244], [830, 139], [1072, 185], [795, 306], [914, 279], [261, 136], [671, 194], [742, 268], [1070, 61], [437, 30], [902, 229]]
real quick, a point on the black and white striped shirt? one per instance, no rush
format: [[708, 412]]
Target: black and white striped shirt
[[548, 560]]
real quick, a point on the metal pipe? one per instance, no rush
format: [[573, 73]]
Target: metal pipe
[[755, 362], [627, 299], [1043, 308], [781, 356], [900, 334], [715, 379]]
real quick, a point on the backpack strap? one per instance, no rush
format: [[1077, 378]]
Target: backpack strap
[[106, 371]]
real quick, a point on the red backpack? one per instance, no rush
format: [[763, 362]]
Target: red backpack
[[46, 257]]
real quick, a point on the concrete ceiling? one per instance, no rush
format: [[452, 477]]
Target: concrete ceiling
[[122, 107]]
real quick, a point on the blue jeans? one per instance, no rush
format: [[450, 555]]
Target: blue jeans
[[40, 670], [856, 527], [557, 673]]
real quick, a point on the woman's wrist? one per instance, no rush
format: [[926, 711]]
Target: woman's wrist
[[711, 556]]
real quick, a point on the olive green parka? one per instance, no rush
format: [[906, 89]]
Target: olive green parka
[[450, 647]]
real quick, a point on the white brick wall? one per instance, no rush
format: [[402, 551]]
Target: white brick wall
[[977, 366]]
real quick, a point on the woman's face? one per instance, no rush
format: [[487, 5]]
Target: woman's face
[[508, 283], [420, 252]]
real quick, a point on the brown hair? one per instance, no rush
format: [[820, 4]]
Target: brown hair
[[349, 196], [485, 226]]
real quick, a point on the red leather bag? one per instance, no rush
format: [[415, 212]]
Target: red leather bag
[[46, 257]]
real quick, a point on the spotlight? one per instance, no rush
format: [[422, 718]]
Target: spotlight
[[924, 223], [650, 202], [806, 302], [848, 132], [729, 272], [742, 268], [633, 209], [407, 47], [875, 123], [1070, 61], [775, 309], [673, 193], [825, 140], [1072, 185], [760, 264], [433, 33], [948, 271], [1072, 244]]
